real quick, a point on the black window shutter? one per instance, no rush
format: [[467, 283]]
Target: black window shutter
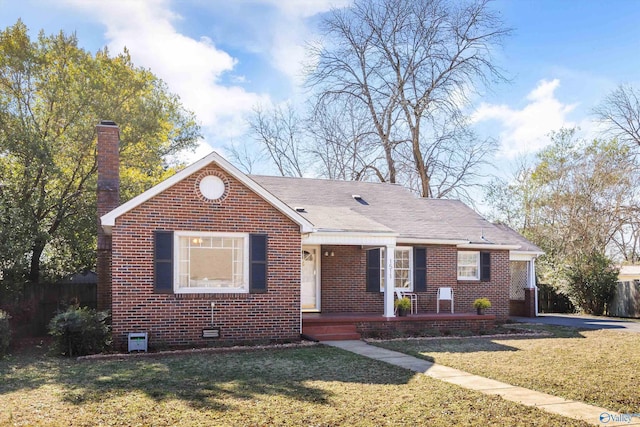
[[485, 266], [373, 270], [419, 269], [257, 263], [163, 261]]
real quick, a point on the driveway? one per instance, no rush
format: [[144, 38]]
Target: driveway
[[583, 321]]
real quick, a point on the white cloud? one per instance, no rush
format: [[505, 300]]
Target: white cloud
[[192, 68], [525, 130], [290, 30], [198, 70], [306, 8]]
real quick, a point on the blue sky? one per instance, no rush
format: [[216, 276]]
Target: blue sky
[[224, 57]]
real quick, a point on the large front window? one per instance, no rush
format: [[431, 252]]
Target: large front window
[[468, 265], [211, 262], [403, 268]]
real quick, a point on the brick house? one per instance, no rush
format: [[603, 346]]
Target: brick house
[[257, 258]]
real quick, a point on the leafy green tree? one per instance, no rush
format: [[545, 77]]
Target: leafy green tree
[[52, 95], [591, 281], [575, 199]]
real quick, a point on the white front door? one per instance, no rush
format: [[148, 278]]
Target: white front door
[[310, 280]]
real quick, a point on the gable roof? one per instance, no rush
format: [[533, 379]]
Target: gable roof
[[330, 206], [108, 220]]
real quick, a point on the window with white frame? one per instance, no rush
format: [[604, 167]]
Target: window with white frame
[[403, 268], [211, 262], [468, 265]]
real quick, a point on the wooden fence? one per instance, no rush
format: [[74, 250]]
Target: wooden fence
[[40, 303], [551, 301], [626, 300]]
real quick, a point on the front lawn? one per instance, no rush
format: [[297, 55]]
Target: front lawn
[[301, 386], [597, 367]]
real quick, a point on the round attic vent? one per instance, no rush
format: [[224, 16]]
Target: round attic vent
[[213, 187]]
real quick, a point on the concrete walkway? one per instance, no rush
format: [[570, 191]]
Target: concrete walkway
[[583, 321], [556, 405]]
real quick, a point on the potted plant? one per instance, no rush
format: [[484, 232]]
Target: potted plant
[[480, 304], [403, 305]]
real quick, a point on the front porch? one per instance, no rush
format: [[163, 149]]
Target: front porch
[[346, 326]]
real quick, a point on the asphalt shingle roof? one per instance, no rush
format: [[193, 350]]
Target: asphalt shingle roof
[[526, 245], [330, 205]]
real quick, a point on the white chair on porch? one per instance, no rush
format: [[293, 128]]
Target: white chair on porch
[[444, 294], [412, 297]]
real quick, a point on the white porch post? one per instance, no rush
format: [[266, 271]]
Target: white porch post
[[532, 281], [389, 280]]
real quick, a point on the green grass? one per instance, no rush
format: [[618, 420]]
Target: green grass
[[300, 386], [596, 367]]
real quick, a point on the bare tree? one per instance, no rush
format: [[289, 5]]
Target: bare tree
[[343, 143], [626, 240], [280, 132], [620, 112], [407, 62], [244, 157], [453, 158]]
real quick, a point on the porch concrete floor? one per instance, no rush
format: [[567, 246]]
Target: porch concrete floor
[[556, 405]]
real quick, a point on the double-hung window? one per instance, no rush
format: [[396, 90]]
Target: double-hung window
[[403, 268], [468, 265], [211, 262]]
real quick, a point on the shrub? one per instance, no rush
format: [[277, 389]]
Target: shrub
[[403, 303], [5, 332], [482, 303], [80, 330], [591, 282]]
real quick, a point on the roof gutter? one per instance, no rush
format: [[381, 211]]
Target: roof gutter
[[530, 253], [418, 241], [488, 246]]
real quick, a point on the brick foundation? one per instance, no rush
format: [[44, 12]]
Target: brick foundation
[[375, 325], [403, 326]]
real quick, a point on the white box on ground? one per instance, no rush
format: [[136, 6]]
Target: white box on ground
[[137, 341]]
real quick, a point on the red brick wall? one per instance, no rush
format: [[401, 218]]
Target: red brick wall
[[343, 288], [530, 302], [344, 282], [178, 320], [496, 290]]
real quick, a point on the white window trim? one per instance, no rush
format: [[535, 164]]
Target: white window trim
[[205, 290], [398, 248], [477, 276]]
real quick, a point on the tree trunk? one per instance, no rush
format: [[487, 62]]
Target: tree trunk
[[425, 184], [390, 162], [36, 253]]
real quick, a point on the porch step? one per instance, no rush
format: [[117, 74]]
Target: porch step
[[334, 332]]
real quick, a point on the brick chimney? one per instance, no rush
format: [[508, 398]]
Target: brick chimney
[[107, 200]]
